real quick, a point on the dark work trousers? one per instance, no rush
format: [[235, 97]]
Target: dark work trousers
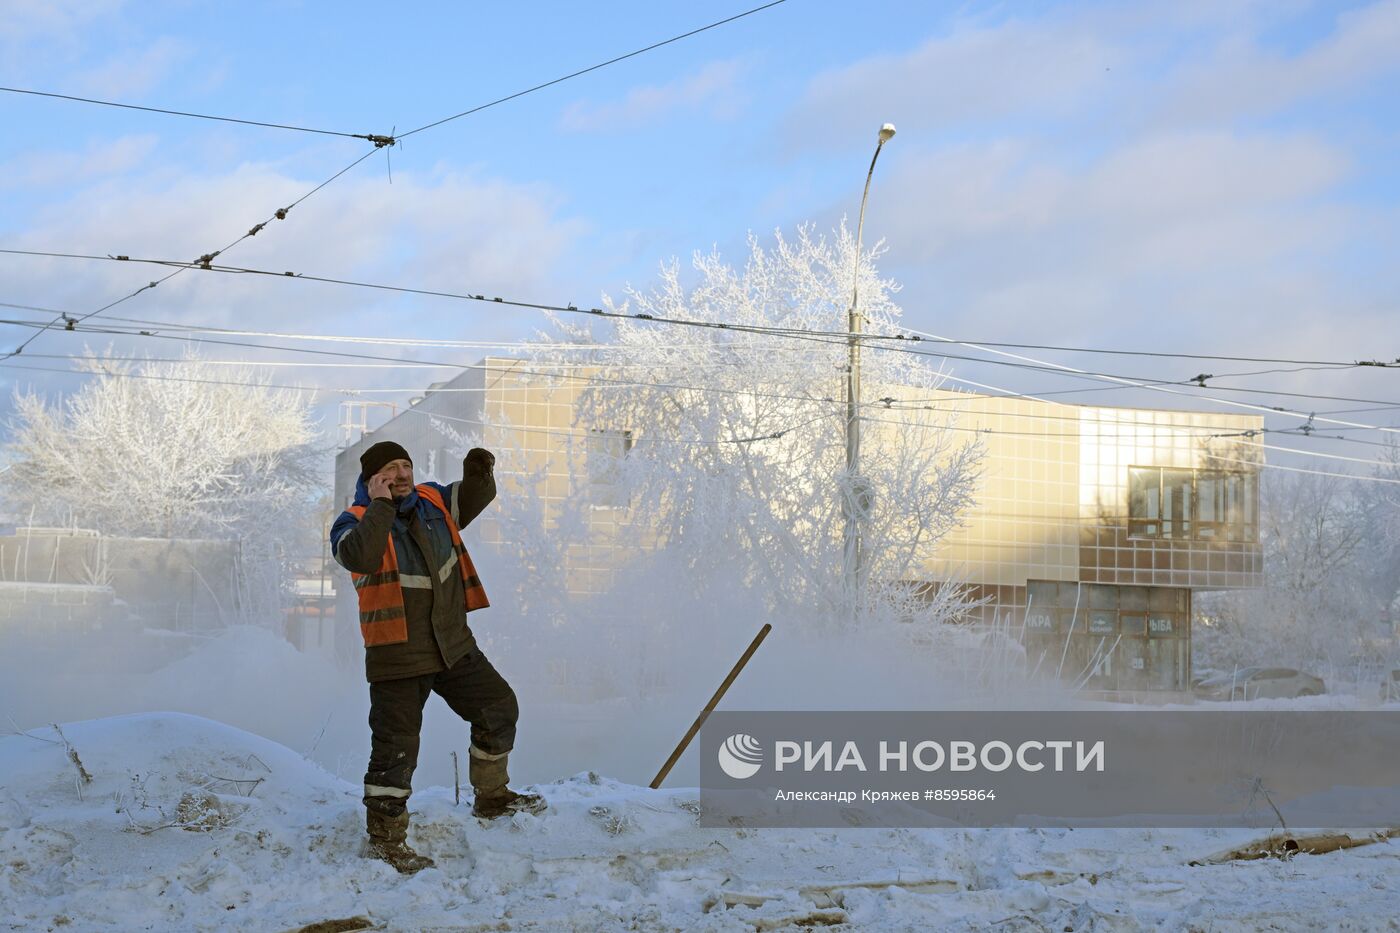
[[472, 689]]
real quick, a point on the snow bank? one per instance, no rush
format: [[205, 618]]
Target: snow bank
[[190, 824]]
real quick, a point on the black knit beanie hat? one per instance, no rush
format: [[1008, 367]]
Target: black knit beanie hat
[[373, 460]]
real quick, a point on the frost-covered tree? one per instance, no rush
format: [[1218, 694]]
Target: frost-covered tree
[[1324, 594], [728, 444], [174, 450], [1380, 508], [529, 560]]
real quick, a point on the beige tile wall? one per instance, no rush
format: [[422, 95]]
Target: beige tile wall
[[1051, 503]]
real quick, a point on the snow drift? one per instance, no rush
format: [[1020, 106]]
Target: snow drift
[[184, 823]]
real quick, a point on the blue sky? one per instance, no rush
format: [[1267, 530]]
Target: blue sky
[[1195, 176]]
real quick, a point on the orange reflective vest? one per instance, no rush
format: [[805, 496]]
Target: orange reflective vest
[[382, 619]]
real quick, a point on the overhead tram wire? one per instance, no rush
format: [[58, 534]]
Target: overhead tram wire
[[1305, 365], [399, 361], [1119, 422], [592, 380], [1072, 370], [515, 370], [529, 429], [380, 142], [1125, 424], [998, 392], [394, 360], [1257, 464], [381, 340], [1288, 469], [1340, 364], [790, 333], [584, 71], [371, 137], [770, 436], [277, 363], [110, 374], [349, 338], [339, 338], [203, 262], [828, 337], [512, 370], [543, 346], [774, 435]]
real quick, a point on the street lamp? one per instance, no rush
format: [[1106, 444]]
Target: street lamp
[[855, 504]]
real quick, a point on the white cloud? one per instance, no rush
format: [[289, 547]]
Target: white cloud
[[973, 75], [132, 73], [1243, 79], [1100, 69], [58, 19], [447, 231], [1186, 175], [39, 169], [1191, 223], [1150, 206], [714, 88]]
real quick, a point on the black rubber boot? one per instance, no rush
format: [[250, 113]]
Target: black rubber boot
[[388, 840], [489, 776]]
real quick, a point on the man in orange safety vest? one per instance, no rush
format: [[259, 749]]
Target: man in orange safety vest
[[415, 583]]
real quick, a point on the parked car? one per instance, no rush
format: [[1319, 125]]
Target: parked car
[[1201, 674], [1253, 683]]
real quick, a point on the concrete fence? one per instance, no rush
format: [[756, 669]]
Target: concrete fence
[[181, 584], [56, 606]]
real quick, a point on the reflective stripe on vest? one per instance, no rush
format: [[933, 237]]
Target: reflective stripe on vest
[[471, 583], [382, 619]]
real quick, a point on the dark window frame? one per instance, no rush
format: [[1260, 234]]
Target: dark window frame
[[1162, 512]]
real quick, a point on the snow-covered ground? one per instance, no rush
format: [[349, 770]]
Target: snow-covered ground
[[190, 824]]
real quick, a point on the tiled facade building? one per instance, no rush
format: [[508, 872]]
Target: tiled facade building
[[1092, 527]]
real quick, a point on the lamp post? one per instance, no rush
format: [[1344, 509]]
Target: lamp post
[[856, 501]]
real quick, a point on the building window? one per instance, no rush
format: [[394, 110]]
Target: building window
[[1193, 505], [605, 451]]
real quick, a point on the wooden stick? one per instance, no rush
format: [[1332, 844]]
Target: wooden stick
[[710, 706]]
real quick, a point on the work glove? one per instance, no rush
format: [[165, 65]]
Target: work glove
[[478, 462]]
